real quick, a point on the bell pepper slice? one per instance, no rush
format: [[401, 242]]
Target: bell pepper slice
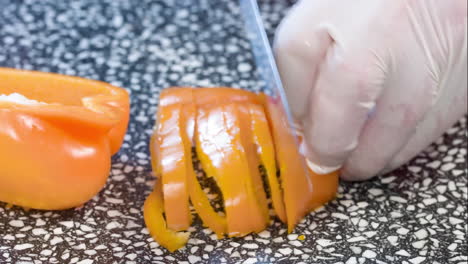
[[174, 165], [180, 95], [266, 151], [328, 183], [153, 210], [295, 179], [248, 143], [154, 153], [200, 201], [56, 154], [221, 152], [327, 186]]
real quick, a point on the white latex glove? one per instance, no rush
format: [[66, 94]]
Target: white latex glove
[[373, 82]]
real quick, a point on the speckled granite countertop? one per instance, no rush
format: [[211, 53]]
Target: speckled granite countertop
[[414, 215]]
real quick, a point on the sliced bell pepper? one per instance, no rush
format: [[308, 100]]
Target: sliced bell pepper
[[327, 184], [174, 166], [295, 179], [199, 199], [266, 151], [234, 132], [326, 187], [221, 152], [56, 154], [183, 96], [247, 141], [153, 210]]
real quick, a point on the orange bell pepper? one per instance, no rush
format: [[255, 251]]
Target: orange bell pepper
[[153, 210], [234, 132], [56, 154]]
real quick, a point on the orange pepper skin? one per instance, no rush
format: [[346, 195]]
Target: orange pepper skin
[[249, 146], [57, 155], [176, 95], [184, 97], [153, 210], [199, 199], [326, 187], [223, 95], [221, 152], [296, 182], [205, 96], [173, 167], [266, 151]]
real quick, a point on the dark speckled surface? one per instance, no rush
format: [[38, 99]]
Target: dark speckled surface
[[413, 215]]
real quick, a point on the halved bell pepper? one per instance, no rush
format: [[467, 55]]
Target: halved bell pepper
[[55, 153]]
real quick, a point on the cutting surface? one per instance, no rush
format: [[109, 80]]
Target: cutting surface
[[415, 214]]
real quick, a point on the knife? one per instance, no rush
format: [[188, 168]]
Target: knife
[[264, 58]]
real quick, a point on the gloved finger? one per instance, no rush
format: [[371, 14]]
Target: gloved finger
[[299, 48], [450, 105], [418, 89], [343, 97], [403, 104]]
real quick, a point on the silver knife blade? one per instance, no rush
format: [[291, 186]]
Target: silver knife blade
[[263, 55]]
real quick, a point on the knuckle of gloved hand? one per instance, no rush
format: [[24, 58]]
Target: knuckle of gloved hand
[[290, 43], [358, 171], [360, 69], [328, 152]]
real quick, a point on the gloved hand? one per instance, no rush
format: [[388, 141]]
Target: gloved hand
[[373, 82]]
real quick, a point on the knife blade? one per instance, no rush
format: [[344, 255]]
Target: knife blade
[[264, 59]]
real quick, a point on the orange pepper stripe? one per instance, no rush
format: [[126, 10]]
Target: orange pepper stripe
[[198, 197], [173, 167], [266, 151], [248, 144], [153, 210], [297, 185], [218, 139]]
